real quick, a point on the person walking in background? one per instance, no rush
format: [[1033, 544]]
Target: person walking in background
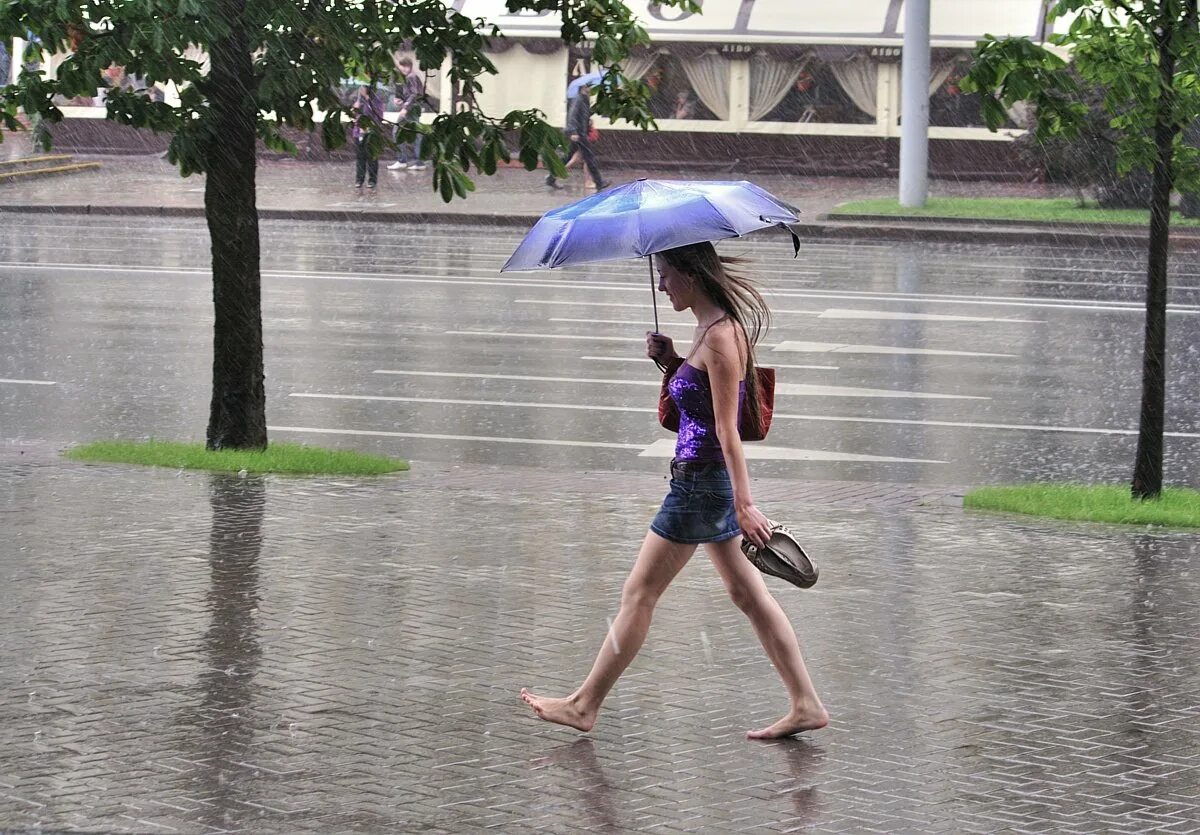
[[409, 93], [579, 121], [709, 501], [367, 111]]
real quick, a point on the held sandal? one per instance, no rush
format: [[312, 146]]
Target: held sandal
[[783, 557]]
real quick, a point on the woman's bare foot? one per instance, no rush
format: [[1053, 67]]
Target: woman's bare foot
[[560, 711], [797, 721]]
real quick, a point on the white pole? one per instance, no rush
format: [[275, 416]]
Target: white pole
[[914, 106]]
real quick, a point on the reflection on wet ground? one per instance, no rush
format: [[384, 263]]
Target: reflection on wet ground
[[202, 653], [942, 364]]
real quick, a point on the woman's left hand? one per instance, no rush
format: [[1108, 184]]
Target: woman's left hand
[[755, 526]]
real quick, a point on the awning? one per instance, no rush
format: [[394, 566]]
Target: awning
[[953, 23]]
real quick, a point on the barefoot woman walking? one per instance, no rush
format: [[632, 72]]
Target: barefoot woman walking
[[709, 502]]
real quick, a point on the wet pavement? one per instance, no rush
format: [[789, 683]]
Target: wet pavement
[[293, 186], [198, 653], [943, 365]]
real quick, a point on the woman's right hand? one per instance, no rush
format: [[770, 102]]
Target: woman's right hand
[[659, 347]]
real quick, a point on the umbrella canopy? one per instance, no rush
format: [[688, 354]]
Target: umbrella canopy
[[644, 217], [591, 79]]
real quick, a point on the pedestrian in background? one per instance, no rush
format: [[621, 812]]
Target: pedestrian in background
[[367, 112], [579, 123], [709, 502], [410, 92]]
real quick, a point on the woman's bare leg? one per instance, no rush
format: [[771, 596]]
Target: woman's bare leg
[[659, 560], [775, 633]]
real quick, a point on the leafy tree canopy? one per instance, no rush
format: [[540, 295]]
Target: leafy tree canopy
[[302, 50], [1115, 46]]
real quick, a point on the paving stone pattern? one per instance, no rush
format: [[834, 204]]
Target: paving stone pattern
[[204, 653]]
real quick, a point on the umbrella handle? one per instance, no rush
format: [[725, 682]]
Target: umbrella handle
[[653, 297], [654, 302]]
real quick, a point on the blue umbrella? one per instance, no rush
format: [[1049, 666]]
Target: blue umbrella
[[647, 216], [591, 79]]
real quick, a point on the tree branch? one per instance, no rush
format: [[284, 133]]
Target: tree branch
[[1148, 22]]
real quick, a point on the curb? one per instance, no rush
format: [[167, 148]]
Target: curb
[[997, 230], [860, 227]]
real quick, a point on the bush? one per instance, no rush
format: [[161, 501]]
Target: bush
[[1088, 162]]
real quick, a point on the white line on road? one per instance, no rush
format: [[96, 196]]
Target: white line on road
[[632, 287], [29, 382], [843, 348], [513, 335], [456, 402], [435, 437], [773, 365], [949, 424], [846, 313], [636, 323], [665, 448], [1067, 281], [798, 389]]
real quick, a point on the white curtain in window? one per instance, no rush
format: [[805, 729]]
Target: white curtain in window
[[939, 72], [709, 76], [770, 81], [859, 78], [635, 67]]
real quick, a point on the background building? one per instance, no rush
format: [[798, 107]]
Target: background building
[[749, 84]]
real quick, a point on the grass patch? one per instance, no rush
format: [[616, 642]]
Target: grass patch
[[1178, 506], [1010, 208], [295, 459]]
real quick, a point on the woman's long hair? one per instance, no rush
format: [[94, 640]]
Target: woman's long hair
[[734, 294]]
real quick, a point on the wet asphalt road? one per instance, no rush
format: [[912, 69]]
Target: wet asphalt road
[[934, 364]]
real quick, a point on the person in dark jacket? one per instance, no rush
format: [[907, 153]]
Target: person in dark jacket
[[410, 92], [579, 117], [367, 108]]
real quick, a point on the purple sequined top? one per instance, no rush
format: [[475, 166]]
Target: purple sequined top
[[697, 440]]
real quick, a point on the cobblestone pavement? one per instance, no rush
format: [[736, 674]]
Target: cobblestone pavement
[[201, 653]]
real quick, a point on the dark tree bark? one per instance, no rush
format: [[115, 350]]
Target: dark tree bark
[[237, 417], [1148, 464]]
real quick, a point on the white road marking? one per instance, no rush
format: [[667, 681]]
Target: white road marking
[[631, 287], [526, 377], [665, 448], [455, 402], [812, 390], [636, 323], [1068, 282], [1016, 427], [29, 382], [798, 389], [436, 437], [512, 335], [847, 313], [843, 348], [773, 365], [952, 424]]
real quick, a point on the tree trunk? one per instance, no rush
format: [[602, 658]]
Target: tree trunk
[[237, 417], [1148, 464]]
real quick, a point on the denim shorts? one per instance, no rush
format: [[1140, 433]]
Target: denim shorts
[[699, 507]]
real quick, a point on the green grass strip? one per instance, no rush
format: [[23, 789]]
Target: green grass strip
[[1177, 507], [1009, 208], [295, 459]]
